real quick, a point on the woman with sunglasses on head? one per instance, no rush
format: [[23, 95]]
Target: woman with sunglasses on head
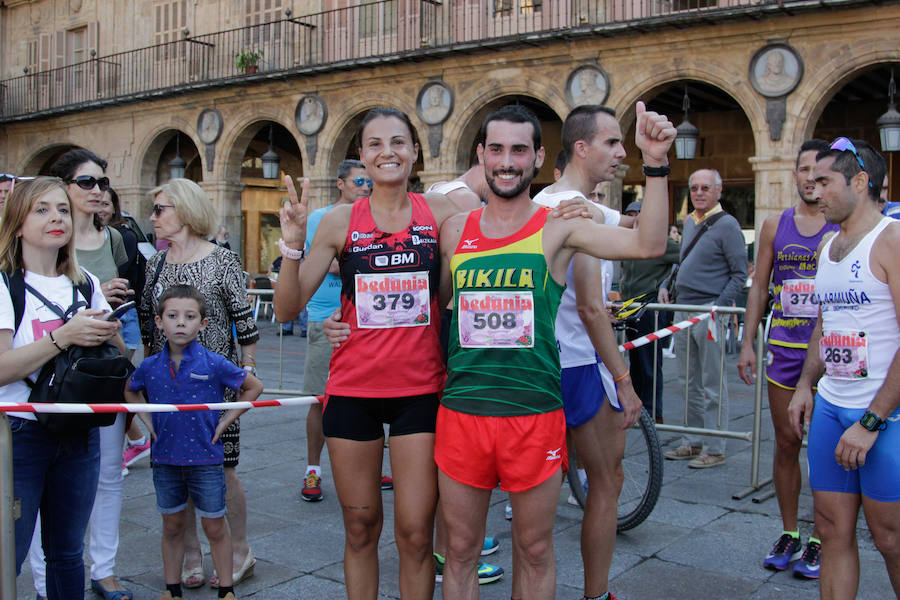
[[101, 251], [54, 472], [374, 378], [184, 215]]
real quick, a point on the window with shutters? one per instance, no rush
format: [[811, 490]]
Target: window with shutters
[[377, 18], [256, 14], [169, 22], [525, 7]]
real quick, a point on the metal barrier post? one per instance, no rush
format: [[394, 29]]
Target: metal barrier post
[[755, 483], [720, 333], [655, 361], [8, 516]]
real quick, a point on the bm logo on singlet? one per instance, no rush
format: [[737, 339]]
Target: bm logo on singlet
[[394, 259], [490, 278]]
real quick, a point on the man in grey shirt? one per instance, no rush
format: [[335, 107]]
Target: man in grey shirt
[[712, 273]]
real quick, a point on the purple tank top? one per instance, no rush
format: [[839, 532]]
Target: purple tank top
[[794, 265]]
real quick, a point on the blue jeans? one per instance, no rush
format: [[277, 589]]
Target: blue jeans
[[58, 475]]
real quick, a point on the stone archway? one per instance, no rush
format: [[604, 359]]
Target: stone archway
[[852, 108], [468, 128], [39, 163], [248, 203], [727, 143]]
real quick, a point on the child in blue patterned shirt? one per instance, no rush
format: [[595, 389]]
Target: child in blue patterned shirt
[[187, 453]]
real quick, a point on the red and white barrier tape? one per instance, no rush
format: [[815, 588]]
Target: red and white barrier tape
[[664, 332], [297, 401], [149, 408]]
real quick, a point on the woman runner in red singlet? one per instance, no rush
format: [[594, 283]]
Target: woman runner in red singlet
[[390, 369]]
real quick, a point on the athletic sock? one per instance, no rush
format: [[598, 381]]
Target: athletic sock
[[794, 534], [138, 442], [174, 589], [224, 589], [816, 540], [311, 468]]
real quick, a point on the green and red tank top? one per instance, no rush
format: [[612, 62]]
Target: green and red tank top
[[503, 359], [389, 292]]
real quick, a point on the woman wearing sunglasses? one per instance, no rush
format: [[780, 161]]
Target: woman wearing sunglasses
[[54, 472], [101, 251], [184, 215]]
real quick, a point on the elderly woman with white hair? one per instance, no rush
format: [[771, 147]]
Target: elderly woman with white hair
[[184, 215]]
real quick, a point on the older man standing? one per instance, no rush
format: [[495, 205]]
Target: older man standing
[[713, 271]]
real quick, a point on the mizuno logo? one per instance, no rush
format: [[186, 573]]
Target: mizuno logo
[[554, 454], [470, 243]]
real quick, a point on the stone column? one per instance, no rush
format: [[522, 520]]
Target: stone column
[[775, 187], [226, 200], [136, 200]]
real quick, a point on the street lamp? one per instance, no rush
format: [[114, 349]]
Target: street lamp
[[177, 164], [889, 122], [687, 135], [270, 159]]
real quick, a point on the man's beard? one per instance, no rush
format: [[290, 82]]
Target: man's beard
[[524, 182]]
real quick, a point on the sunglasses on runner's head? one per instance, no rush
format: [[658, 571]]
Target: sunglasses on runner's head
[[359, 181], [87, 182], [843, 144], [159, 208]]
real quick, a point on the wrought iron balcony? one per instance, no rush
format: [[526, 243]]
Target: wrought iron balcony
[[383, 31]]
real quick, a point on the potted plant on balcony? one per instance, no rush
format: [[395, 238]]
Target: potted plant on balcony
[[247, 60]]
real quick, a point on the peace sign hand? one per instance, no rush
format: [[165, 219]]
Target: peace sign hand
[[293, 215]]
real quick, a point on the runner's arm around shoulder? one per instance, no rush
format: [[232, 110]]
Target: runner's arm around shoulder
[[451, 232], [758, 298], [450, 205]]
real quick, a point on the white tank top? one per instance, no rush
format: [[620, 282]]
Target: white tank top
[[575, 347], [860, 334]]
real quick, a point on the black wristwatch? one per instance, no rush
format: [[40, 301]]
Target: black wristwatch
[[662, 171], [873, 422]]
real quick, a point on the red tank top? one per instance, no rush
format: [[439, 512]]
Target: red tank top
[[389, 298]]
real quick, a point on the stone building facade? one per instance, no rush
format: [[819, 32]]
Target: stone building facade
[[134, 80]]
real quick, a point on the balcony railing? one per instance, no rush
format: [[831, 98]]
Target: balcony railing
[[382, 31]]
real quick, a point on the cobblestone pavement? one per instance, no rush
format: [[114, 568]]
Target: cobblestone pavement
[[697, 543]]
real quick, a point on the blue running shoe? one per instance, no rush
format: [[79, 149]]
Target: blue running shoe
[[491, 545], [808, 565], [786, 550], [486, 573]]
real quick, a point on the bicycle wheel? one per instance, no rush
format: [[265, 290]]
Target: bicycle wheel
[[643, 470]]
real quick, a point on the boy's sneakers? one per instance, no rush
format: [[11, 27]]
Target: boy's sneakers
[[491, 545], [486, 573], [135, 452], [312, 487], [808, 565], [786, 550]]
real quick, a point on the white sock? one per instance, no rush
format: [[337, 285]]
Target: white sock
[[311, 468], [139, 442], [582, 476]]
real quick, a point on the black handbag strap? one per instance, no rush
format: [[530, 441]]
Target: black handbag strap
[[706, 226]]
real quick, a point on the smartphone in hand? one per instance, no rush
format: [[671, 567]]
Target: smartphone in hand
[[121, 310]]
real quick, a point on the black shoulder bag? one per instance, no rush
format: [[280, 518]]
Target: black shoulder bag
[[79, 374]]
